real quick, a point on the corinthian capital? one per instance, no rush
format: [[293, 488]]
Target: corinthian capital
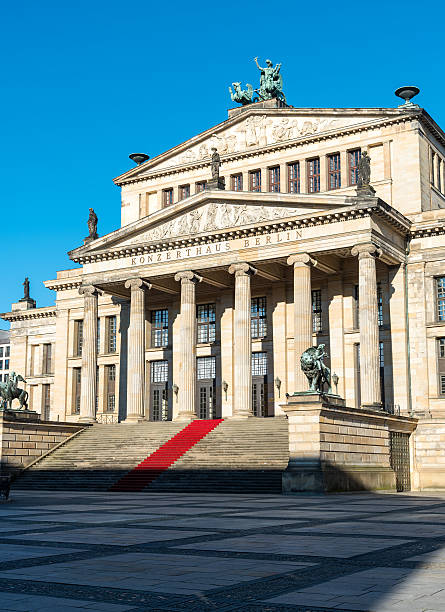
[[188, 277], [363, 251], [242, 269], [301, 259]]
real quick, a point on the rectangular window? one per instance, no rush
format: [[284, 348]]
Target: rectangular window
[[110, 381], [167, 197], [111, 334], [236, 182], [353, 160], [356, 312], [159, 328], [380, 304], [78, 333], [258, 317], [439, 172], [259, 364], [200, 186], [334, 171], [206, 316], [255, 180], [441, 364], [1, 351], [8, 350], [293, 173], [46, 401], [440, 288], [184, 192], [77, 377], [313, 175], [433, 157], [316, 310], [274, 179], [47, 359], [6, 364], [98, 337], [205, 368], [358, 399], [1, 365], [382, 371], [159, 371]]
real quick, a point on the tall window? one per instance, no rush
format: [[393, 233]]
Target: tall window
[[200, 186], [112, 334], [293, 173], [274, 179], [334, 172], [258, 317], [255, 180], [236, 182], [358, 399], [47, 359], [259, 364], [440, 289], [206, 322], [184, 192], [380, 304], [98, 336], [7, 352], [316, 310], [76, 389], [159, 371], [110, 381], [439, 172], [356, 307], [441, 364], [382, 370], [205, 368], [46, 401], [167, 197], [313, 175], [353, 159], [159, 328], [433, 157], [78, 341]]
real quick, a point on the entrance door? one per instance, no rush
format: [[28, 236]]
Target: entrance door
[[159, 390], [205, 373], [400, 463], [259, 396]]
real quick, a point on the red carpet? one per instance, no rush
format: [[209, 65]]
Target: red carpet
[[150, 468]]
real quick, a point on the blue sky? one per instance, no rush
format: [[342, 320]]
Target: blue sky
[[84, 84]]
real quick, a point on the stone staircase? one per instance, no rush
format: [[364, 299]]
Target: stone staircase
[[238, 456]]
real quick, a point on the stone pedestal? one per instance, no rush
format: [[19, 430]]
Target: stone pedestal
[[336, 448], [219, 183]]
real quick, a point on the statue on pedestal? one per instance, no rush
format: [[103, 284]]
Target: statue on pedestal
[[364, 170], [317, 373], [216, 164], [92, 225]]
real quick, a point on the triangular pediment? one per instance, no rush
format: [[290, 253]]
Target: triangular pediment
[[210, 212], [255, 128]]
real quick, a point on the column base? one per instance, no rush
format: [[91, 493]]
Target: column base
[[241, 415], [185, 416], [87, 420], [134, 419]]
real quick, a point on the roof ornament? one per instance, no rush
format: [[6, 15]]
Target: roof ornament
[[139, 158], [364, 187], [92, 227], [407, 93], [26, 297], [271, 86], [216, 182]]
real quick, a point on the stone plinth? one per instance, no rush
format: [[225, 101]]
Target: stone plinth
[[24, 438], [218, 183], [336, 448]]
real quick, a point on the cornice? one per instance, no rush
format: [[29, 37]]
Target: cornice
[[367, 208], [25, 315], [257, 151], [62, 285], [428, 230]]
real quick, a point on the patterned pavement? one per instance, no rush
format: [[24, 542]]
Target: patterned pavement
[[119, 552]]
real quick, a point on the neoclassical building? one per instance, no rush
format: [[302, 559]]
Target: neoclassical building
[[202, 302]]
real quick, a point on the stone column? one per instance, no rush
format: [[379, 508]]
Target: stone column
[[369, 326], [187, 340], [242, 392], [136, 351], [89, 355], [302, 313]]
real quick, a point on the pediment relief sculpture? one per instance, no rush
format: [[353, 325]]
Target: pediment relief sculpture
[[211, 217]]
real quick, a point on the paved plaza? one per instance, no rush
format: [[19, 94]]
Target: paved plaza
[[120, 552]]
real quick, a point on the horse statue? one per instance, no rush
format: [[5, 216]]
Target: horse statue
[[271, 82], [317, 373], [242, 96], [9, 392]]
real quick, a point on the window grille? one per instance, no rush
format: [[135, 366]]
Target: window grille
[[46, 402], [159, 371], [380, 304], [356, 313], [79, 337], [98, 336], [206, 322], [382, 371], [159, 328], [111, 372], [439, 172], [184, 192], [112, 335], [255, 180], [259, 364], [354, 158], [258, 317], [294, 177], [47, 359], [440, 286], [206, 368], [274, 179], [441, 364], [111, 402], [316, 311], [334, 173], [313, 175], [77, 377], [167, 197], [237, 182]]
